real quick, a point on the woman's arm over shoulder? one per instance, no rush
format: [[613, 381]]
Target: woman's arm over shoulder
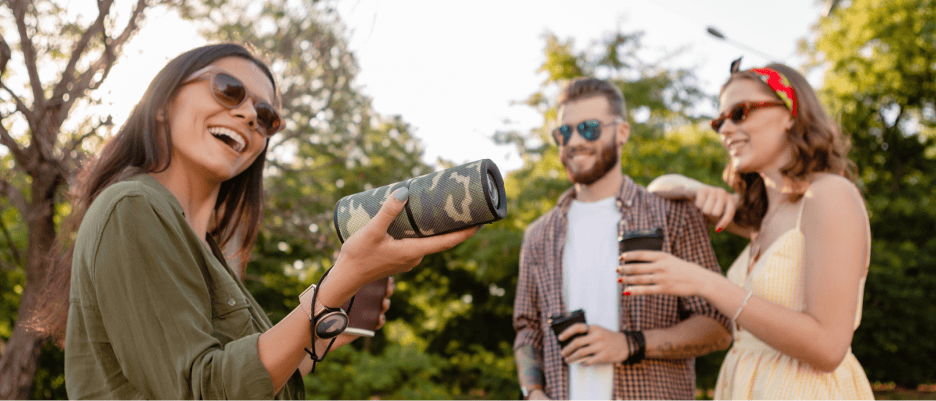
[[837, 251], [674, 186], [716, 204]]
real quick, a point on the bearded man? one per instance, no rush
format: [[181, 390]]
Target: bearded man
[[632, 347]]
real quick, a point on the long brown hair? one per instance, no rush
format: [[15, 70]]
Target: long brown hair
[[817, 146], [141, 147]]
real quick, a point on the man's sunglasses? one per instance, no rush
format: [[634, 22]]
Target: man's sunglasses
[[230, 92], [738, 113], [588, 129]]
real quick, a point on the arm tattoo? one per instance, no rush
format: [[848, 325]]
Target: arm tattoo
[[529, 367], [671, 351]]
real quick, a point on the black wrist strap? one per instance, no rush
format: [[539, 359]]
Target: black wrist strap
[[314, 320], [636, 337]]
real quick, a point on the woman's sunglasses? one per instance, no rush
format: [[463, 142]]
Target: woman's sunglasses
[[738, 113], [588, 129], [230, 92]]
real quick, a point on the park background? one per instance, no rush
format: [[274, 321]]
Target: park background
[[449, 332]]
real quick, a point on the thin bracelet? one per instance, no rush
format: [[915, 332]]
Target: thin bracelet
[[743, 303]]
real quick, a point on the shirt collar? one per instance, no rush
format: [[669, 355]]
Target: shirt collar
[[625, 196], [153, 183]]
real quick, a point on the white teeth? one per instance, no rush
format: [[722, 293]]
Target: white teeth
[[734, 145], [239, 143]]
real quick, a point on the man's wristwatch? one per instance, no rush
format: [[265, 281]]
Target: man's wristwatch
[[527, 390]]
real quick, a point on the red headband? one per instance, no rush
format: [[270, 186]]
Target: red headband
[[776, 81], [780, 85]]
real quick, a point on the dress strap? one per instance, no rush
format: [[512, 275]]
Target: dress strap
[[799, 216]]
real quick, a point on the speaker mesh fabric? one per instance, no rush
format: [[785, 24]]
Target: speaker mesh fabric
[[439, 202]]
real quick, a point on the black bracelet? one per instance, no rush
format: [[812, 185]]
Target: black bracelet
[[327, 324], [637, 356]]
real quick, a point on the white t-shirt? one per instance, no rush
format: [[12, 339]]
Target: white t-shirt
[[589, 282]]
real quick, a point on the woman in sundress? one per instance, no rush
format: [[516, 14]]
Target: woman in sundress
[[795, 293]]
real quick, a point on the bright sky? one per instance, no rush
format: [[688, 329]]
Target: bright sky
[[452, 69]]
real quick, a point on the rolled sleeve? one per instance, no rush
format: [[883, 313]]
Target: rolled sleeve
[[155, 306]]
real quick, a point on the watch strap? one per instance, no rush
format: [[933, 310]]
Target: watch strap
[[305, 300]]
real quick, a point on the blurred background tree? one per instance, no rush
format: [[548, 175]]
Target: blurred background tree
[[880, 84], [59, 60]]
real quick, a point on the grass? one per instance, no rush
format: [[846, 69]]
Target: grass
[[891, 391]]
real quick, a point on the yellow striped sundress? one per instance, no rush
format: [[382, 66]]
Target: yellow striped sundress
[[755, 370]]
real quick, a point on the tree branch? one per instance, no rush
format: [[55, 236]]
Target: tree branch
[[17, 259], [29, 52], [80, 47], [107, 59], [77, 141], [20, 105], [7, 140], [5, 55], [16, 198]]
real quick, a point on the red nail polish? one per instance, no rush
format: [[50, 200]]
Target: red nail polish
[[718, 230], [620, 280], [626, 292]]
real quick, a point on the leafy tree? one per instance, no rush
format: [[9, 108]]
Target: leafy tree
[[880, 82], [53, 65]]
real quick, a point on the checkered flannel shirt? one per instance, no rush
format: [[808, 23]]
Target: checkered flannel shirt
[[539, 293]]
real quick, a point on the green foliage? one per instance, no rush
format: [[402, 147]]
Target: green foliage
[[880, 84], [399, 372], [49, 381], [449, 332]]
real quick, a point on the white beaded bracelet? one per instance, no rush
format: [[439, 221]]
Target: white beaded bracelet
[[743, 303]]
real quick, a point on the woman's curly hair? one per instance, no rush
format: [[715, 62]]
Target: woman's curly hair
[[817, 145]]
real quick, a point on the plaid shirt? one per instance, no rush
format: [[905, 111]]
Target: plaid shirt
[[539, 293]]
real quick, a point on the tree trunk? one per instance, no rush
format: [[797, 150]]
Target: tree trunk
[[19, 361]]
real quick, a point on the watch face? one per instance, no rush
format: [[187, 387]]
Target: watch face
[[331, 324]]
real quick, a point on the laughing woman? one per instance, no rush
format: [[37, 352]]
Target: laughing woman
[[795, 292], [155, 310]]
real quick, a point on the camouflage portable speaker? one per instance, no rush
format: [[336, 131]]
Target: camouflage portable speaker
[[439, 202]]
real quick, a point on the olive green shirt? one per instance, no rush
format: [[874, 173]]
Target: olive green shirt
[[154, 313]]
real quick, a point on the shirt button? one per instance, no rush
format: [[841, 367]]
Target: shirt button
[[618, 203], [231, 302], [629, 203]]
